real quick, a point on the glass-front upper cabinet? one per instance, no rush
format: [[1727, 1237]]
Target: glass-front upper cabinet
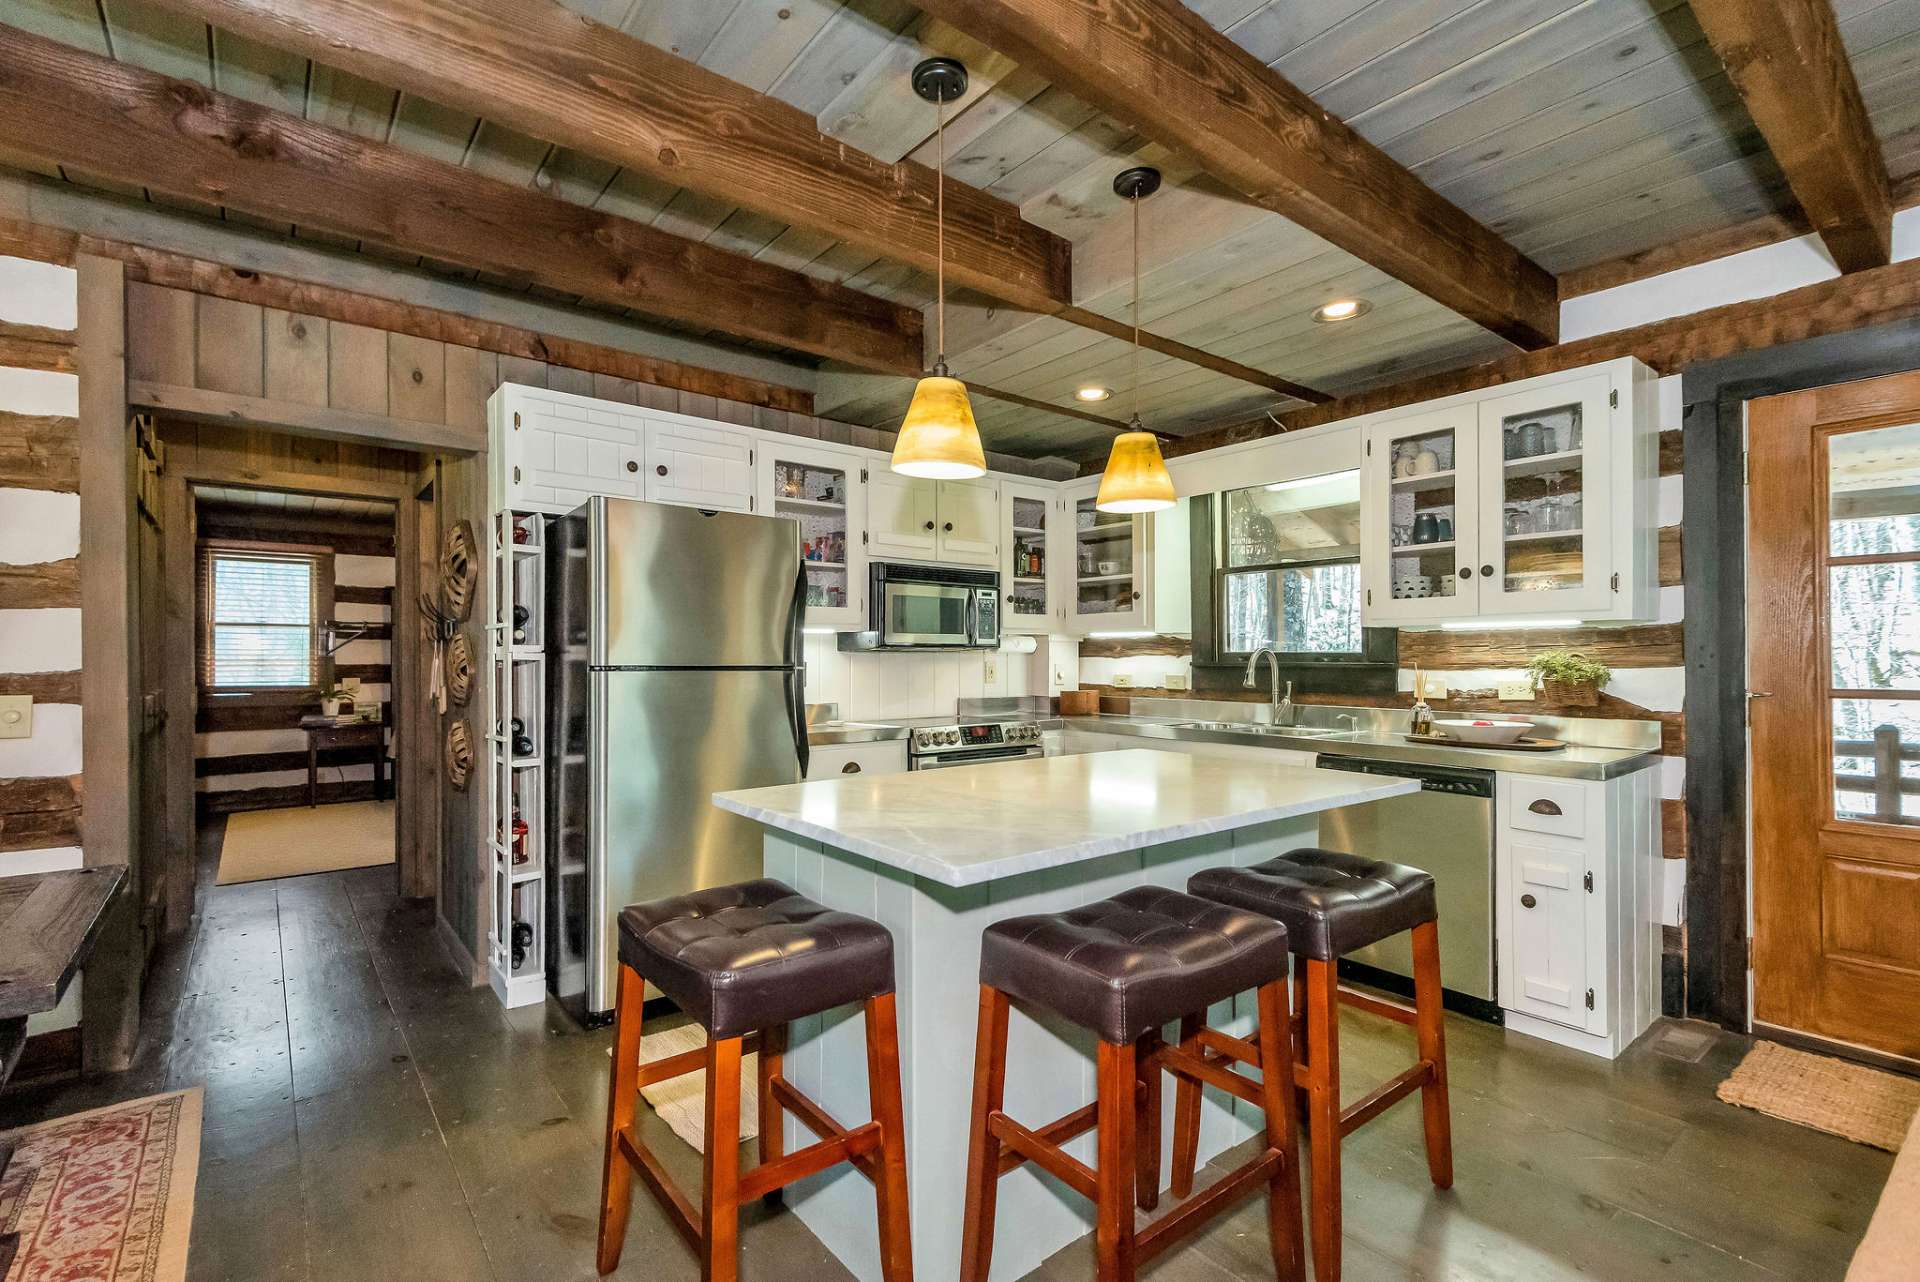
[[821, 489], [1109, 571], [1544, 547], [1030, 518], [1418, 539]]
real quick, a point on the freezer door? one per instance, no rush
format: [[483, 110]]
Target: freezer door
[[665, 743], [681, 587]]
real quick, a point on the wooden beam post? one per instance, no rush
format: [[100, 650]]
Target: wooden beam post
[[1786, 59], [1159, 67], [64, 106], [110, 1001]]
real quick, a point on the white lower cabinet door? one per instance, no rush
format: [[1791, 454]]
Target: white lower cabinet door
[[699, 467], [1547, 973]]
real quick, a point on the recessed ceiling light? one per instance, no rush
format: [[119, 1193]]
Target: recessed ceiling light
[[1341, 309], [1092, 392]]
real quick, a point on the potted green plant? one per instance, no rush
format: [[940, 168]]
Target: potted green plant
[[1565, 676], [336, 701]]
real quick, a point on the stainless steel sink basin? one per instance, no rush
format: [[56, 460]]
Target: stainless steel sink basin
[[1249, 727]]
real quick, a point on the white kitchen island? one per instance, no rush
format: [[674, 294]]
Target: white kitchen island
[[936, 857]]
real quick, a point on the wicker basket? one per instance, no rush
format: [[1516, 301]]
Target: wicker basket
[[1574, 694]]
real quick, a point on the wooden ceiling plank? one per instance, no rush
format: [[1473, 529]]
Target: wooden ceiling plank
[[1161, 69], [547, 72], [1787, 60], [138, 126]]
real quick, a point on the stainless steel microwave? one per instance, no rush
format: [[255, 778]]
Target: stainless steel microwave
[[928, 607]]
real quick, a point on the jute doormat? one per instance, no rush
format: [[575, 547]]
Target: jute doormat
[[105, 1194], [681, 1102], [297, 840], [1849, 1100]]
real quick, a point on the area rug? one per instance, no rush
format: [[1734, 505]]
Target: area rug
[[106, 1195], [1832, 1095], [305, 839], [681, 1102]]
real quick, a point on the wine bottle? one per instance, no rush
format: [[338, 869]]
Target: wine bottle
[[522, 942], [522, 741], [521, 617]]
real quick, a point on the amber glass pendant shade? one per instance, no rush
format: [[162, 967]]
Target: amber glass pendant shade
[[1136, 479], [938, 438]]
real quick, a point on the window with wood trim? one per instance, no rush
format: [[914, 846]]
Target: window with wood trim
[[263, 610]]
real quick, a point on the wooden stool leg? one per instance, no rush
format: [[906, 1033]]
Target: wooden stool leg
[[1146, 1147], [616, 1181], [1276, 1092], [773, 1127], [1430, 1030], [1299, 1021], [720, 1169], [1186, 1112], [890, 1184], [983, 1150], [1113, 1229], [1323, 1114]]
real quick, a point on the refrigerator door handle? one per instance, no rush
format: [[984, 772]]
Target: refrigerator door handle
[[796, 655]]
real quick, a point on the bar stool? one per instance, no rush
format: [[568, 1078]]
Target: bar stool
[[744, 961], [1123, 968], [1333, 903]]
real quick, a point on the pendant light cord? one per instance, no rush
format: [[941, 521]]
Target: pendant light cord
[[1135, 376], [940, 228]]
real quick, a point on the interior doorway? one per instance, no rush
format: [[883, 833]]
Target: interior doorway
[[1833, 617]]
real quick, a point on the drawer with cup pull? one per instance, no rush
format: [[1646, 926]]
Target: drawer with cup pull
[[855, 760], [1554, 806]]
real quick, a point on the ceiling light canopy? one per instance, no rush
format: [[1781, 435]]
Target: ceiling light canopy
[[938, 439], [1341, 309], [1092, 392], [1136, 479]]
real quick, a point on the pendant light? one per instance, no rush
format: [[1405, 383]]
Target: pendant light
[[938, 438], [1136, 479]]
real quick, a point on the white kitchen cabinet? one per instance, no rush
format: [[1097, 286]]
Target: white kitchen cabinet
[[1031, 522], [1533, 499], [556, 450], [950, 522], [821, 488], [1576, 908], [695, 466], [1111, 587], [839, 760]]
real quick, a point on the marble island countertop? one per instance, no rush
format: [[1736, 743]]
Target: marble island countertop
[[974, 824]]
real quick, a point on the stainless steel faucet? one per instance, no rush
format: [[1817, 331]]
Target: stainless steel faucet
[[1282, 705]]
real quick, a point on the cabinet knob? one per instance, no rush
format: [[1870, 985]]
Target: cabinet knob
[[851, 768], [1466, 572], [1545, 807], [929, 525], [1486, 572], [1009, 598], [660, 469], [1134, 597], [948, 527], [1528, 901]]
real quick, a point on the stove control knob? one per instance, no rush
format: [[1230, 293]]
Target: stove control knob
[[952, 736]]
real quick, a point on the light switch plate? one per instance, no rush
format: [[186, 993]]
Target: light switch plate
[[1516, 690], [1123, 679], [16, 716]]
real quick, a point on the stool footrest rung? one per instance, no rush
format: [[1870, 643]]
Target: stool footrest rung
[[1056, 1161], [1385, 1096], [1237, 1184], [1239, 1048], [811, 1160], [1180, 1060], [817, 1120], [1398, 1012], [1059, 1131], [682, 1213], [656, 1071]]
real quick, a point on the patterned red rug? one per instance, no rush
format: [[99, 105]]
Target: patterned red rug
[[104, 1196]]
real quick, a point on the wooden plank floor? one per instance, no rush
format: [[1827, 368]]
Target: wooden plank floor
[[368, 1117]]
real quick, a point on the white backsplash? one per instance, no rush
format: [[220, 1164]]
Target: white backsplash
[[915, 685]]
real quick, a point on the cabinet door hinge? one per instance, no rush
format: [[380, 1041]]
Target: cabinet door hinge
[[1369, 596], [863, 538], [863, 476], [1587, 881], [1369, 449], [749, 502], [1613, 402], [1746, 468], [750, 457], [516, 420], [1616, 580], [1589, 999]]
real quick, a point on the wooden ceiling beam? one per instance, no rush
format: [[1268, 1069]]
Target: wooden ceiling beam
[[124, 123], [1161, 69], [1786, 59]]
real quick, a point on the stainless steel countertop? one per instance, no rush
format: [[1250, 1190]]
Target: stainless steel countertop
[[825, 727]]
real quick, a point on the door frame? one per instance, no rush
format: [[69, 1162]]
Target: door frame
[[1714, 534]]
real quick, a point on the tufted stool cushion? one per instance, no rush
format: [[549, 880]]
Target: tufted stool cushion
[[1124, 965], [1331, 902], [754, 955]]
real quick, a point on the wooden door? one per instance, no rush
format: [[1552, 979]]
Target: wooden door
[[1833, 623]]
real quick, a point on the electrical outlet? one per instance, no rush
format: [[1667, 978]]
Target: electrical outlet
[[990, 668], [16, 716], [1516, 689], [1123, 679], [1431, 686], [1176, 681]]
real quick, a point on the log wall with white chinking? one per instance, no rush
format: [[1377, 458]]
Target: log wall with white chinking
[[40, 788]]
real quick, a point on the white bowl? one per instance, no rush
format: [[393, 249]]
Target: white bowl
[[1482, 730]]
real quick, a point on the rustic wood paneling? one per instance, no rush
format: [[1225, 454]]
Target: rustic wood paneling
[[1672, 567], [229, 351], [259, 716], [36, 813], [47, 584], [39, 452], [44, 687], [255, 763], [1131, 647], [363, 596], [229, 802], [36, 347], [356, 368], [1671, 451], [1653, 645], [161, 329], [371, 673], [296, 354], [305, 420], [416, 378], [472, 375], [1673, 828]]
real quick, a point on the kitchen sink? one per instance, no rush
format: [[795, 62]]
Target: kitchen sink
[[1249, 727]]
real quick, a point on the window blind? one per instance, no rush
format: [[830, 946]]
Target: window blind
[[259, 619]]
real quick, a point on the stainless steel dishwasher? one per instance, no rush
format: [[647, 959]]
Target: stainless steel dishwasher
[[1447, 829]]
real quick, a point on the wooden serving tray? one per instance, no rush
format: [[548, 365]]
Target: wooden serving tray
[[1518, 745]]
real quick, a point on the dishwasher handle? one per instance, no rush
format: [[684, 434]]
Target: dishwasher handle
[[1454, 780]]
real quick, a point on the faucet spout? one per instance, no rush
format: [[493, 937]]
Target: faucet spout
[[1281, 706]]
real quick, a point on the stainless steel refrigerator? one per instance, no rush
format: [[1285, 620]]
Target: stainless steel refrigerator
[[674, 673]]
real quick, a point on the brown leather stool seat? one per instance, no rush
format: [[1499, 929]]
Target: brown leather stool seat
[[754, 955], [1332, 903], [1136, 961]]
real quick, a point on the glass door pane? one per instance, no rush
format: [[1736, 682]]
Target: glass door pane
[[815, 494], [1427, 466], [1546, 522], [1027, 581], [1104, 571]]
